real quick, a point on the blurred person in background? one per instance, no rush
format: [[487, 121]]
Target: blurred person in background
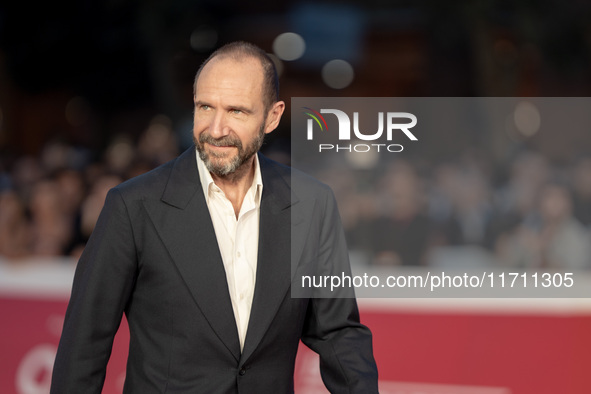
[[91, 208], [158, 144], [459, 204], [553, 238], [51, 228], [26, 172], [73, 192], [581, 186], [565, 241], [14, 228], [516, 200], [401, 233]]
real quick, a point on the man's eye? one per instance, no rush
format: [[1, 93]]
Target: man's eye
[[204, 107], [236, 111]]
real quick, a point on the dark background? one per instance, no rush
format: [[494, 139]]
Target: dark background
[[92, 93], [131, 60]]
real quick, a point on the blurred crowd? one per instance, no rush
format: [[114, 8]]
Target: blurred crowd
[[49, 203], [530, 214], [535, 214]]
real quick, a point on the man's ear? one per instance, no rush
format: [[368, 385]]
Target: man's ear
[[274, 116]]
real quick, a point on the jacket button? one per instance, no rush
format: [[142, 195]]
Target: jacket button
[[242, 372]]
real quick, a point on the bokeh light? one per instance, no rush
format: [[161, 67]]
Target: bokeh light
[[527, 118], [338, 74], [289, 46]]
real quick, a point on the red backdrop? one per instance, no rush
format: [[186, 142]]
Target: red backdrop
[[423, 347]]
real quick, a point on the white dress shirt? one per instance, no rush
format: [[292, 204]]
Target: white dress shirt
[[238, 240]]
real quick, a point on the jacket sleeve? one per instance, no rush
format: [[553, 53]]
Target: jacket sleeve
[[332, 328], [104, 279]]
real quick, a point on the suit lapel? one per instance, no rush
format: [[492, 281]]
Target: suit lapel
[[182, 221], [273, 264]]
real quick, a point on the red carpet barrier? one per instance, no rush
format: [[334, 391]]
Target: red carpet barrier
[[421, 346]]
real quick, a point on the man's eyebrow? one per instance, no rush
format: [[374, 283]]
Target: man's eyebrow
[[229, 107], [201, 102], [240, 108]]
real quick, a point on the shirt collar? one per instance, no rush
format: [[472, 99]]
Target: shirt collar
[[208, 184]]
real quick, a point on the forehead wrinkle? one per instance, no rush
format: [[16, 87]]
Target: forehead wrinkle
[[226, 99]]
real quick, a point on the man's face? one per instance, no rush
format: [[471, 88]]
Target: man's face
[[230, 116]]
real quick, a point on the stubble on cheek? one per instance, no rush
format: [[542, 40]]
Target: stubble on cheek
[[222, 163]]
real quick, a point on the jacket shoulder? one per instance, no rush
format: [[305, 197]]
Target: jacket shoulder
[[148, 185]]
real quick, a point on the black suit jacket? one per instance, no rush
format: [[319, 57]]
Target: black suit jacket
[[154, 256]]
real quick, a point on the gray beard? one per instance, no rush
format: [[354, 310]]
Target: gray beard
[[225, 168]]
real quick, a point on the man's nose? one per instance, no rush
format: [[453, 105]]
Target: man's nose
[[218, 127]]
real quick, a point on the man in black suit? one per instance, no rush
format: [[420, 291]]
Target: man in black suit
[[196, 253]]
